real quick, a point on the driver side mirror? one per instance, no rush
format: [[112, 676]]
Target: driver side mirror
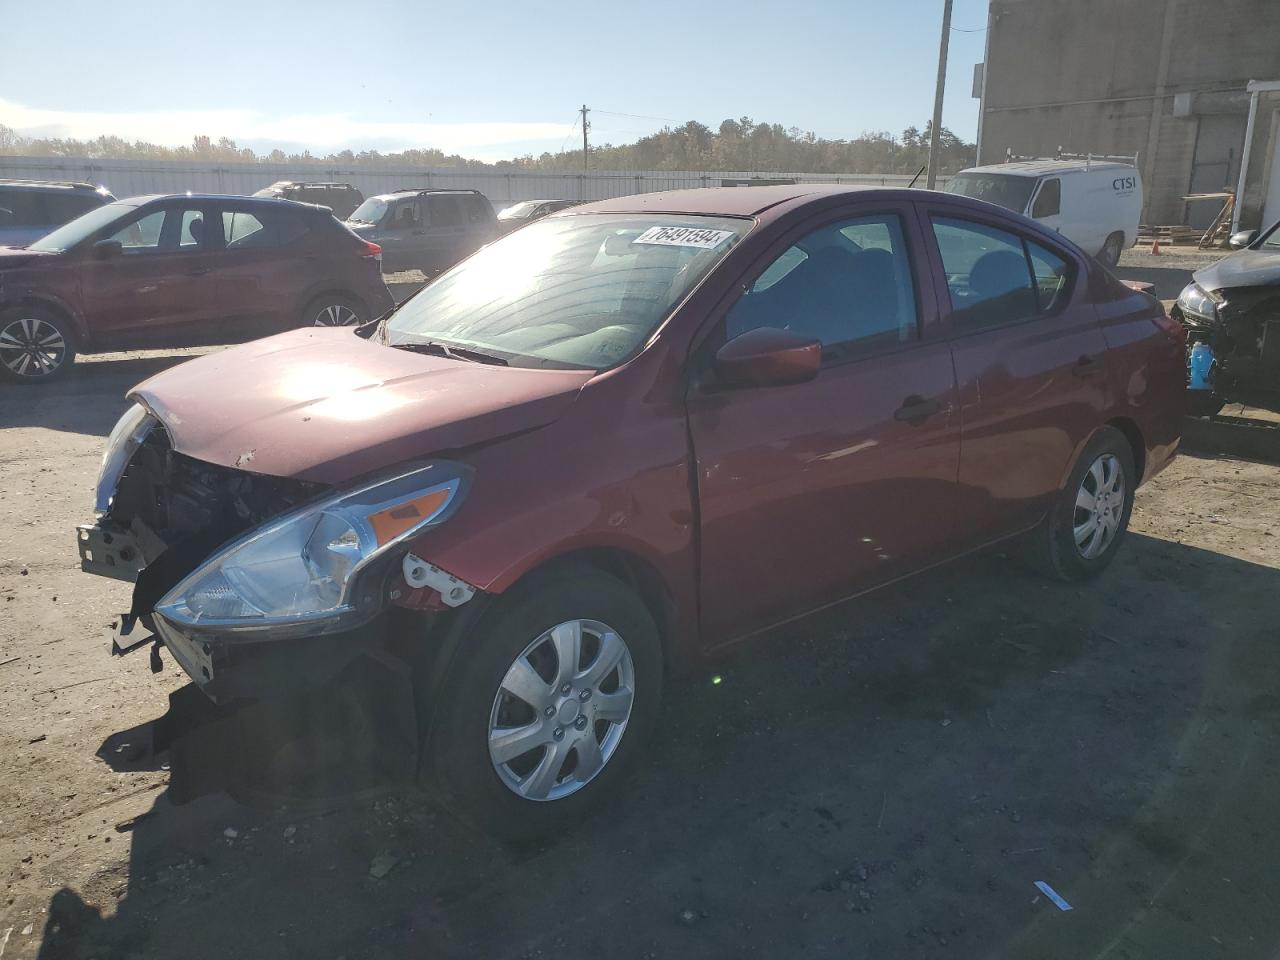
[[767, 357], [106, 249], [1242, 239]]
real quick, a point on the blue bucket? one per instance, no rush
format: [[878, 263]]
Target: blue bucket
[[1200, 364]]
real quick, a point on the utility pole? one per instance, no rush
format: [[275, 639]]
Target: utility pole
[[586, 126], [931, 180]]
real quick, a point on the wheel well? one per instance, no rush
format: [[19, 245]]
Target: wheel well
[[1136, 443], [636, 573]]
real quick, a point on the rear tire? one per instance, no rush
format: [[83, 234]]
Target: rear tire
[[1081, 534], [521, 766], [37, 345], [1111, 249], [333, 310]]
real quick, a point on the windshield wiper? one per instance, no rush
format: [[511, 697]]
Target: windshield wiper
[[437, 349]]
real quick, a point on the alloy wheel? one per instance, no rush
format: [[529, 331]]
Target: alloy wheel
[[1100, 504], [336, 315], [32, 347], [561, 710]]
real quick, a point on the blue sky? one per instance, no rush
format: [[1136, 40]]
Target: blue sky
[[486, 79]]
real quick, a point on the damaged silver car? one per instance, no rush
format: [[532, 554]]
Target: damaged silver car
[[1231, 311]]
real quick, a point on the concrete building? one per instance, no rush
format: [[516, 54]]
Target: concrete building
[[1191, 87]]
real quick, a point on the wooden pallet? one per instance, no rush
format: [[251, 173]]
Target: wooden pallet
[[1171, 233]]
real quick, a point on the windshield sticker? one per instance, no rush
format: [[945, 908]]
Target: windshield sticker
[[684, 237]]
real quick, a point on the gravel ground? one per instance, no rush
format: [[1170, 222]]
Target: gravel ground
[[888, 779]]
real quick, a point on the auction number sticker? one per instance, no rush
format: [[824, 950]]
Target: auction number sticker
[[684, 237]]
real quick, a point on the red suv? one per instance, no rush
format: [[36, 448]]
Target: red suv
[[168, 271], [618, 439]]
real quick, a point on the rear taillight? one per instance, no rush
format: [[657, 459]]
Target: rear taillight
[[371, 250]]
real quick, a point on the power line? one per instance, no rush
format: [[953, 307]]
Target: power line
[[572, 127], [974, 30], [636, 116]]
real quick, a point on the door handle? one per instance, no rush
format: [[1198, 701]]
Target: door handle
[[915, 410], [1086, 366], [198, 272]]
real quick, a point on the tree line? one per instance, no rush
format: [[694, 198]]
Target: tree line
[[741, 145]]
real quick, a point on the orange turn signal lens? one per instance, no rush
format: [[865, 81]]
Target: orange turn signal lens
[[390, 523]]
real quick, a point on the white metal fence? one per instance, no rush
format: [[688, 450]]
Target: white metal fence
[[130, 178]]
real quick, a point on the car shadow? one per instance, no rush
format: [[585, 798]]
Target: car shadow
[[90, 397], [884, 779]]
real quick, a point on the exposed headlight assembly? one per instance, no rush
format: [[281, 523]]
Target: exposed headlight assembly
[[127, 435], [302, 569], [1197, 301]]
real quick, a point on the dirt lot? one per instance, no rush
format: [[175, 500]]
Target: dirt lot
[[886, 780]]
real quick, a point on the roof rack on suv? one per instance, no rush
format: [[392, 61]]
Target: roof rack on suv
[[433, 190], [75, 184]]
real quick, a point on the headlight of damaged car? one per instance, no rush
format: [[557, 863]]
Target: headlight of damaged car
[[304, 566], [1194, 299], [127, 435]]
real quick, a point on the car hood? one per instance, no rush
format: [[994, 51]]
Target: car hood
[[1247, 268], [326, 405], [16, 256]]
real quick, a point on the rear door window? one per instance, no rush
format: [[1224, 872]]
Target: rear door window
[[443, 211], [996, 277], [23, 208], [478, 211], [64, 207]]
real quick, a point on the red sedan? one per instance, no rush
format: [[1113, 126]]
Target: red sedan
[[619, 439]]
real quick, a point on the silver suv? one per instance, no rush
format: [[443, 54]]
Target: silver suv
[[427, 230]]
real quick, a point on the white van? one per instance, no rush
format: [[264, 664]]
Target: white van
[[1094, 203]]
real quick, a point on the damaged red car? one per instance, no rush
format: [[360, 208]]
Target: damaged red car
[[616, 441]]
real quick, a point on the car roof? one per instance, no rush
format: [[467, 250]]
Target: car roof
[[220, 198], [1039, 168], [51, 185], [731, 201]]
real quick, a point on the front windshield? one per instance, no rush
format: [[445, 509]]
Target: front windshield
[[371, 211], [523, 208], [1002, 189], [70, 234], [583, 291]]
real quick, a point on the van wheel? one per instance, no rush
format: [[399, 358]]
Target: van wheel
[[546, 706], [1080, 535], [333, 310], [1204, 403], [36, 345], [1110, 252]]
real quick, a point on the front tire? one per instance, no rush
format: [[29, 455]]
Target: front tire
[[37, 345], [546, 705], [1082, 532]]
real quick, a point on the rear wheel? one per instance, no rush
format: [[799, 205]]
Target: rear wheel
[[333, 310], [546, 706], [1204, 403], [36, 345], [1110, 252], [1082, 532]]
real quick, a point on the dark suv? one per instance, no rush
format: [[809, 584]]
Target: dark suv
[[427, 230], [170, 270], [341, 198], [31, 208]]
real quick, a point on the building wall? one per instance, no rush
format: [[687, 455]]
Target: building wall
[[130, 178], [1163, 79]]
